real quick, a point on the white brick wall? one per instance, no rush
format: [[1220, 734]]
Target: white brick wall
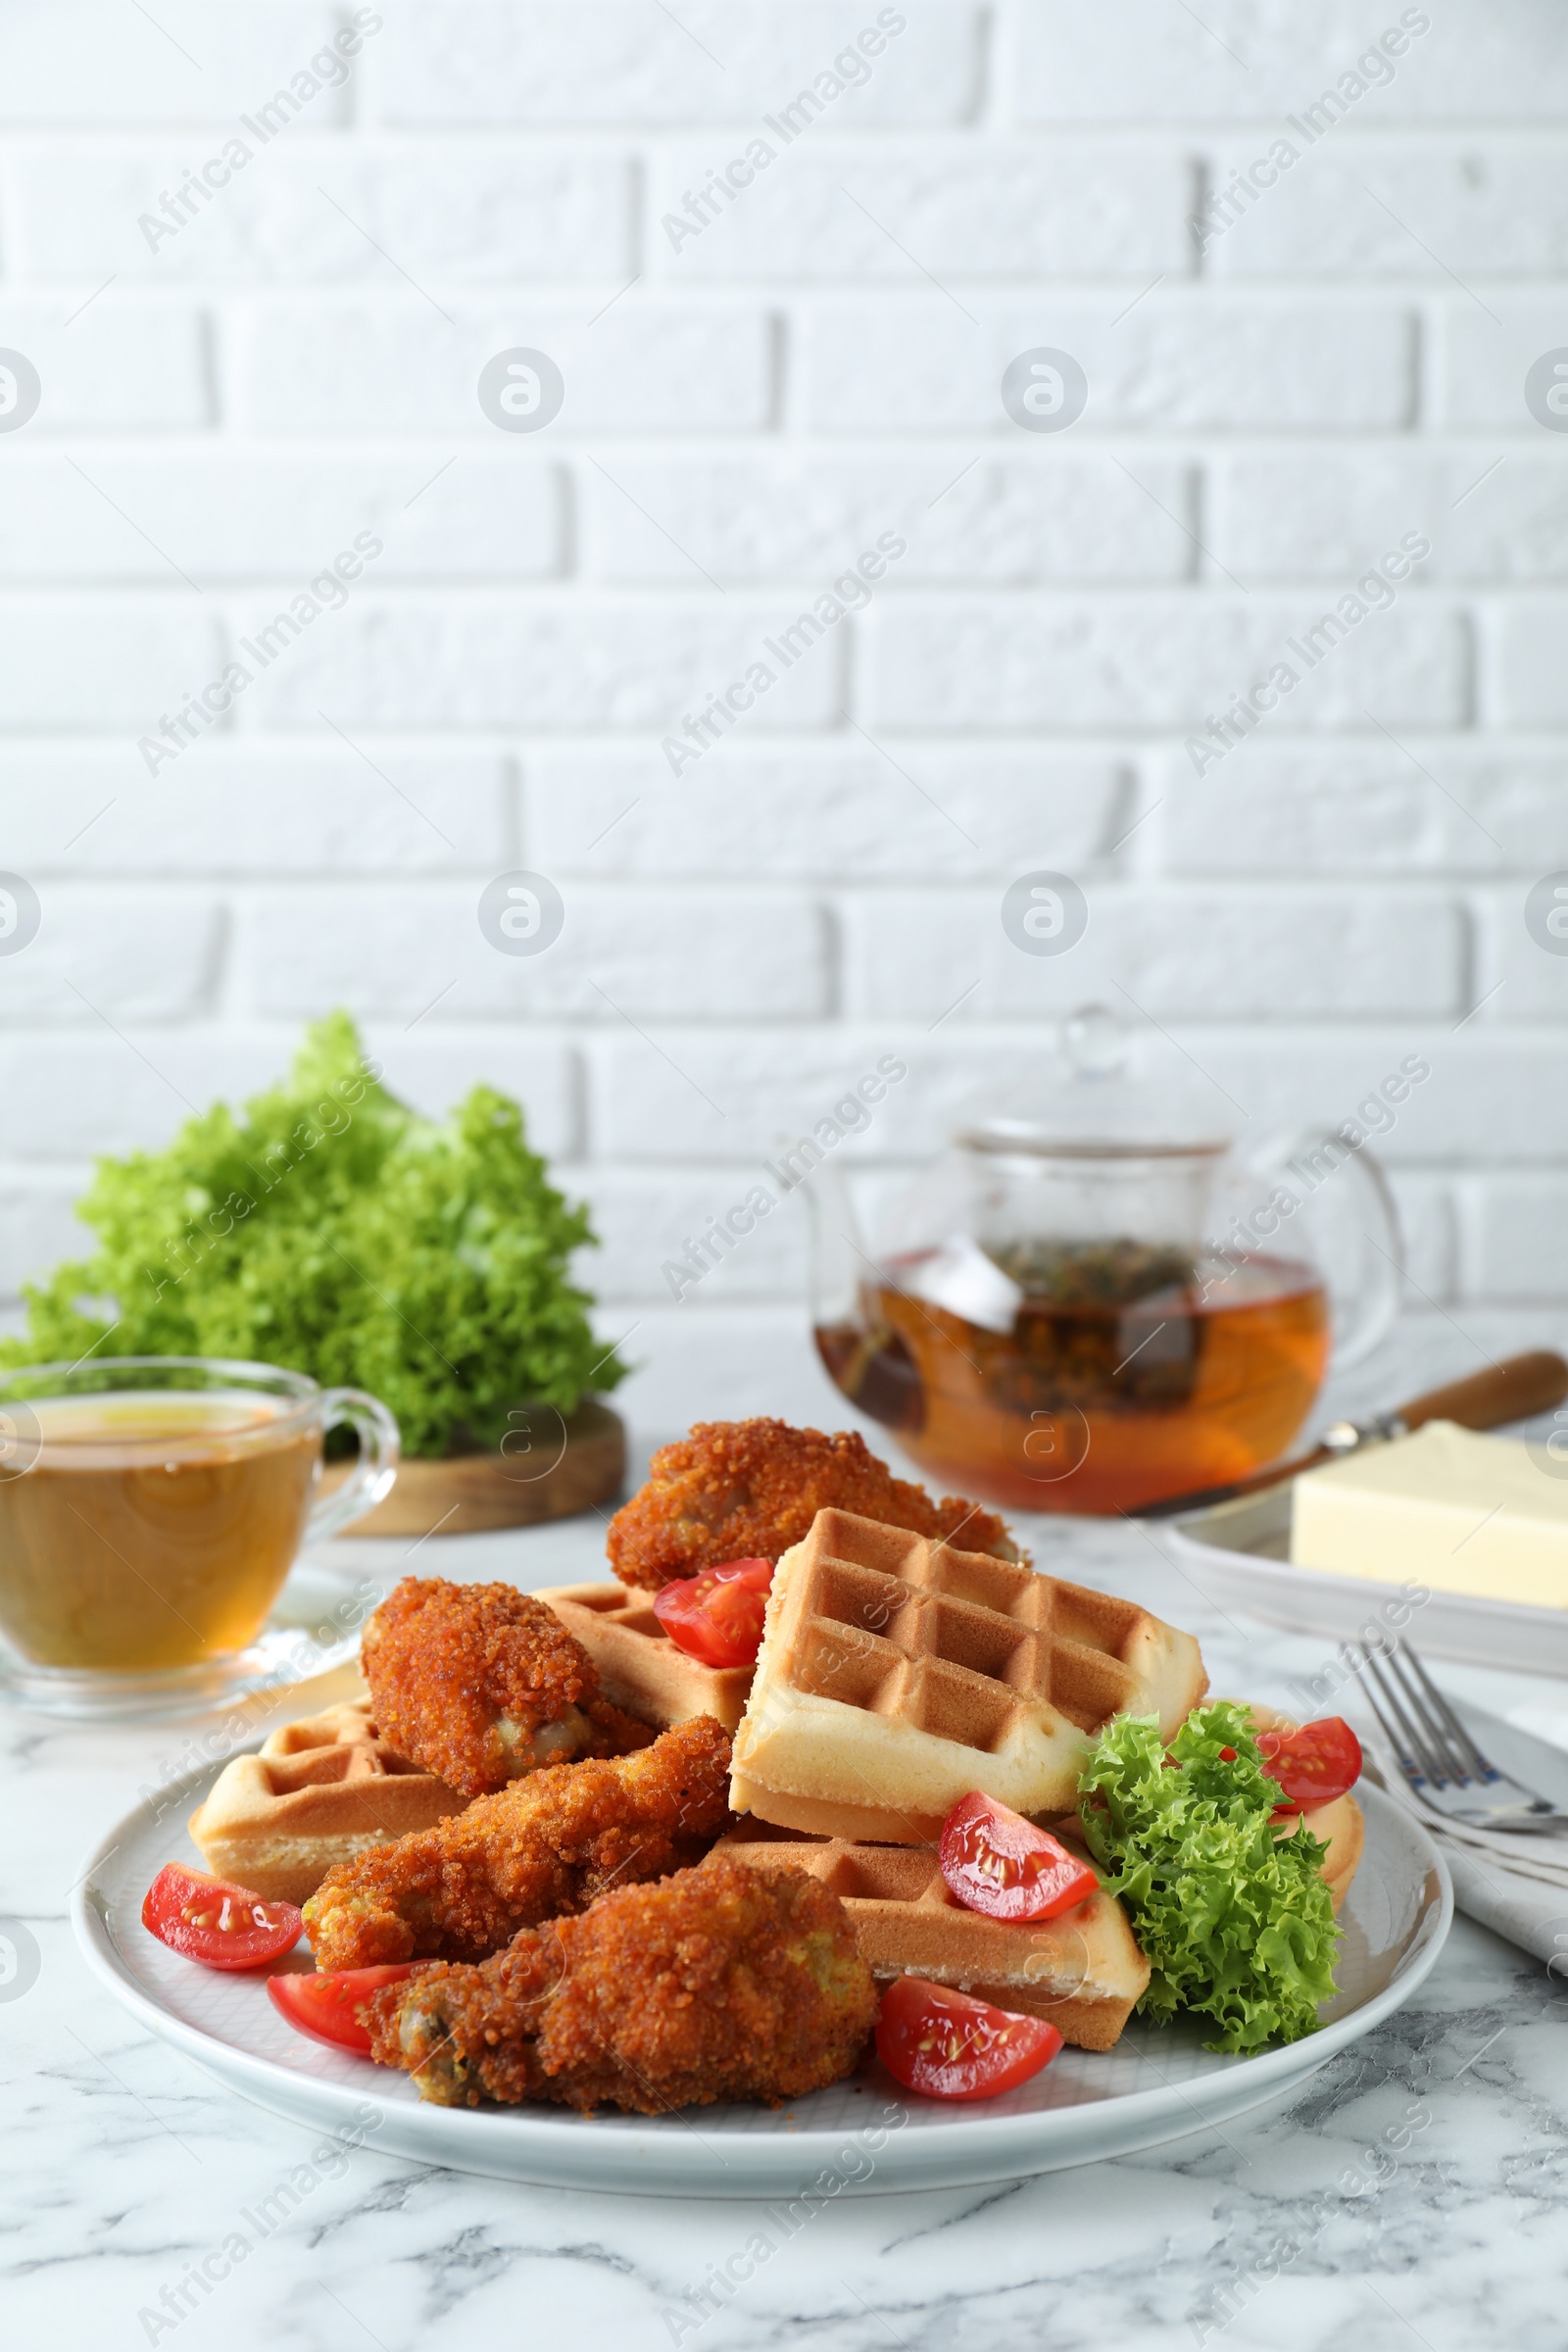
[[746, 409]]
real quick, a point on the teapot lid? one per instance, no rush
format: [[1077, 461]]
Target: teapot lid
[[1106, 1094]]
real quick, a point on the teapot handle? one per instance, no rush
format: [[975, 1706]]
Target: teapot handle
[[1344, 1214]]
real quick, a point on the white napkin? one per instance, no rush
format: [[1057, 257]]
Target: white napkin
[[1516, 1885]]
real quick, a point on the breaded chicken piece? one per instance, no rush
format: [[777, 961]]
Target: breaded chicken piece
[[748, 1490], [482, 1683], [543, 1846], [720, 1982]]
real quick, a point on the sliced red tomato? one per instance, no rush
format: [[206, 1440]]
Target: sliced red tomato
[[948, 2045], [1313, 1765], [718, 1616], [997, 1862], [214, 1922], [327, 2006]]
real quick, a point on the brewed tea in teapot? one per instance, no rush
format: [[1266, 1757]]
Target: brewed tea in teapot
[[1094, 1300]]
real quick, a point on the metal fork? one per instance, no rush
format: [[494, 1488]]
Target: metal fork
[[1446, 1770]]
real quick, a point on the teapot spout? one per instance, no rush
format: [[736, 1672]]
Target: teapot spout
[[838, 1261]]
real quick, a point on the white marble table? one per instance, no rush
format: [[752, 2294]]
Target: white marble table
[[123, 2165]]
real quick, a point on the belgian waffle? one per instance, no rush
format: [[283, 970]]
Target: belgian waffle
[[895, 1675], [1083, 1971], [319, 1792], [640, 1668]]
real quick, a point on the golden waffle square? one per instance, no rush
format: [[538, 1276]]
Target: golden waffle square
[[640, 1668], [895, 1675], [1083, 1971], [319, 1792]]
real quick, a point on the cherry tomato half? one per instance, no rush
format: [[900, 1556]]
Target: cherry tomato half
[[327, 2006], [1312, 1765], [997, 1862], [718, 1616], [214, 1922], [948, 2045]]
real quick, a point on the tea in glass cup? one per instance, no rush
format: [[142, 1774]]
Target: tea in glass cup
[[151, 1509]]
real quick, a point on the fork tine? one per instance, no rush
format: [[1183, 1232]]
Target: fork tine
[[1406, 1743], [1436, 1718], [1407, 1764], [1429, 1754], [1415, 1697], [1482, 1766]]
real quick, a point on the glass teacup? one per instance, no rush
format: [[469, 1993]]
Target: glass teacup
[[151, 1508]]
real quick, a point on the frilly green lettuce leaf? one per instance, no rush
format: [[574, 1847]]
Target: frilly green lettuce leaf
[[332, 1230], [1236, 1923]]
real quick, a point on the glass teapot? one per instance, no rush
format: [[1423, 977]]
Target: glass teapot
[[1098, 1297]]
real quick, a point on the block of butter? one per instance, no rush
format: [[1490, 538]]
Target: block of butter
[[1443, 1507]]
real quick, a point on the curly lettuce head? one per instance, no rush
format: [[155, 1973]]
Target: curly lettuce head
[[1236, 1923], [330, 1228]]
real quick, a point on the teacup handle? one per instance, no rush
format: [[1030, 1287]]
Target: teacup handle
[[370, 1480]]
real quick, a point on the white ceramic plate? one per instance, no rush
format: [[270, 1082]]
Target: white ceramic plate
[[865, 2135], [1237, 1556]]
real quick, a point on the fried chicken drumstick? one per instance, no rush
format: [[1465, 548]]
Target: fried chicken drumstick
[[748, 1490], [544, 1847], [716, 1984], [482, 1683]]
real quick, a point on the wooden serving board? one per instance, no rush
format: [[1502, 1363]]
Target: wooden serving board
[[469, 1491]]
